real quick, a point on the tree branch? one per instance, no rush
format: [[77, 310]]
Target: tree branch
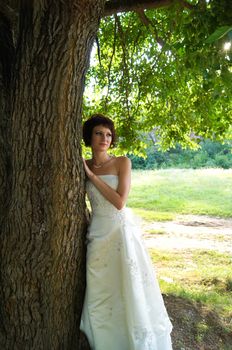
[[148, 23], [114, 6], [125, 64], [110, 63]]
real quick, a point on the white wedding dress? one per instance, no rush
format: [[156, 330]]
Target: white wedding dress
[[123, 308]]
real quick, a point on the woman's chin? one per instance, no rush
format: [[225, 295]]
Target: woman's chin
[[103, 148]]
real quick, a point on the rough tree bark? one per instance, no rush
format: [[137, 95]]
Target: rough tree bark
[[44, 54], [42, 206]]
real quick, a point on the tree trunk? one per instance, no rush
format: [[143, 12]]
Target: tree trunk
[[6, 61], [42, 240]]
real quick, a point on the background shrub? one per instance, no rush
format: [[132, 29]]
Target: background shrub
[[211, 154]]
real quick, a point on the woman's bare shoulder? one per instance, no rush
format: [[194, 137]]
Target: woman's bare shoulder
[[123, 163], [123, 160]]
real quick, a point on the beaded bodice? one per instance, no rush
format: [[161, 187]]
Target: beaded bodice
[[100, 205]]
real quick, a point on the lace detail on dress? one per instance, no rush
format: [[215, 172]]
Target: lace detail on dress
[[133, 267], [143, 277], [101, 260], [145, 337]]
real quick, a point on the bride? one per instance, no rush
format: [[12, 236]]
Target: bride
[[123, 307]]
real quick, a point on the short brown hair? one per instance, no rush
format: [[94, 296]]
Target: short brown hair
[[95, 120]]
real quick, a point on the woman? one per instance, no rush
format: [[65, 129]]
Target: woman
[[123, 308]]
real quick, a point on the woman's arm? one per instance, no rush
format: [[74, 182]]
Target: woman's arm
[[116, 197]]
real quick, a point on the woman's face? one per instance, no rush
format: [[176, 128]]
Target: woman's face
[[101, 138]]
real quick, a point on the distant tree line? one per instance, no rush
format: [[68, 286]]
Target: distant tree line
[[211, 154]]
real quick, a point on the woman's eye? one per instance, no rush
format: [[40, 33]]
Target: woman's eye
[[101, 134]]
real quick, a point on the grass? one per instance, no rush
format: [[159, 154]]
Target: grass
[[198, 275], [197, 283], [151, 215], [159, 195]]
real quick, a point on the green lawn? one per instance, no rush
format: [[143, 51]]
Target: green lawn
[[198, 275], [161, 194], [202, 277], [199, 285]]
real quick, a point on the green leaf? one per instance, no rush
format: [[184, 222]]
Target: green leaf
[[218, 34], [180, 89]]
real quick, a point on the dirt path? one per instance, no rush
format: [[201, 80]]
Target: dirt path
[[190, 232]]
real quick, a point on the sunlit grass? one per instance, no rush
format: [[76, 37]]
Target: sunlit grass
[[201, 278], [165, 193], [156, 231], [150, 215], [204, 276]]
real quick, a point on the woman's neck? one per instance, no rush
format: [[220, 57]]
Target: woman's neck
[[100, 157]]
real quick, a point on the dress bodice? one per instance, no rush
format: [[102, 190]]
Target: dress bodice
[[100, 205]]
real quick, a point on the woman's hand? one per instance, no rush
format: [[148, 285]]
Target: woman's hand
[[88, 172]]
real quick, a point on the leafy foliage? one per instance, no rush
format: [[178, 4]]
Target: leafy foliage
[[210, 155], [218, 34], [157, 70]]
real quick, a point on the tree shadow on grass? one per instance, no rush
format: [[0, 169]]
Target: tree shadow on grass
[[195, 327]]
